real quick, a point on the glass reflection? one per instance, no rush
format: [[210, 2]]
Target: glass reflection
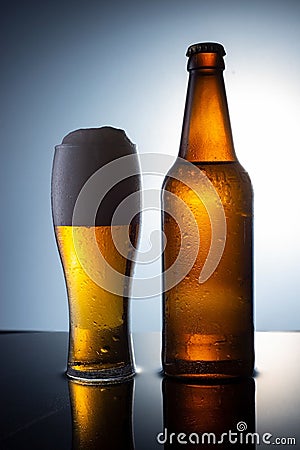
[[192, 411], [101, 416]]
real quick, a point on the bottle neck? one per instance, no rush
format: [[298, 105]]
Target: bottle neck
[[206, 134]]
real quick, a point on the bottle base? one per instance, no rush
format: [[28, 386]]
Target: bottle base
[[114, 375], [213, 370]]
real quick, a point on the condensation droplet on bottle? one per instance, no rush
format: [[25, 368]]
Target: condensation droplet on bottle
[[105, 349]]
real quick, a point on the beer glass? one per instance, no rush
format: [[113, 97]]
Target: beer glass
[[95, 207]]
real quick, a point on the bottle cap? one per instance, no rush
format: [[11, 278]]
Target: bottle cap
[[205, 47]]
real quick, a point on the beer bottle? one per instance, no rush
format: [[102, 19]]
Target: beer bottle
[[207, 209]]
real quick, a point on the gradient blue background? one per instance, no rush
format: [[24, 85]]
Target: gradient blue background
[[67, 65]]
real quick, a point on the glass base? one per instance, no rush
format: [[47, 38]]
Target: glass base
[[116, 375]]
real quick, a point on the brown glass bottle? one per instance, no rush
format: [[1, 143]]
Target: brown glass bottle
[[208, 315]]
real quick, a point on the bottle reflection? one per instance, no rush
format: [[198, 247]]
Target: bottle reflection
[[102, 416], [196, 414]]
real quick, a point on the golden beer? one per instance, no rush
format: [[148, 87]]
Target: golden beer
[[99, 319], [208, 324]]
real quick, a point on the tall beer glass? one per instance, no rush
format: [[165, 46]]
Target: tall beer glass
[[208, 328], [95, 206]]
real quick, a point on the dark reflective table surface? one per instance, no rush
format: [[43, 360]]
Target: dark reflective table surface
[[41, 409]]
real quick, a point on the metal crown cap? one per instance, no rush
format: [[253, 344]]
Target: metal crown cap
[[205, 47]]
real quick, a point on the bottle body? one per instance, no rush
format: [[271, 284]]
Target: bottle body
[[208, 323], [208, 327]]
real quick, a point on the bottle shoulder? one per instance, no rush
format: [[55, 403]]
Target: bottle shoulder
[[229, 179], [226, 170]]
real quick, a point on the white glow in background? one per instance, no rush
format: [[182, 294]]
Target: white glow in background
[[67, 66]]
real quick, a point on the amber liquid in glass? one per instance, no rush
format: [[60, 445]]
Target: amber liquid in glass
[[98, 318]]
